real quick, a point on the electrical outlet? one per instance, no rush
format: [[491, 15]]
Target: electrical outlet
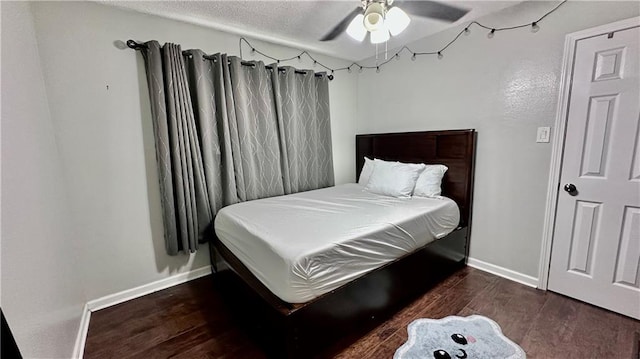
[[544, 133]]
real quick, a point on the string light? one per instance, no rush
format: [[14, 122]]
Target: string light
[[534, 27]]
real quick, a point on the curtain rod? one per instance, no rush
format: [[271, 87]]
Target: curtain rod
[[132, 44]]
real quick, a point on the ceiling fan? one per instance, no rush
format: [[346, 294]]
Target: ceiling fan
[[382, 20]]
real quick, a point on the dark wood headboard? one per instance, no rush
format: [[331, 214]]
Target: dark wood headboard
[[455, 149]]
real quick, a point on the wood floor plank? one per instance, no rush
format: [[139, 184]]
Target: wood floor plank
[[511, 305], [613, 334], [470, 286], [192, 321], [552, 329], [387, 348], [232, 344]]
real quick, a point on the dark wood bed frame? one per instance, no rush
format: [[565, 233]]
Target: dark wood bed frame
[[304, 330]]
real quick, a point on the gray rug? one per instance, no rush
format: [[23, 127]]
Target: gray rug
[[454, 337]]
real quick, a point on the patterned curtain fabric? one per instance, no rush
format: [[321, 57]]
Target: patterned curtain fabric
[[228, 131], [305, 145]]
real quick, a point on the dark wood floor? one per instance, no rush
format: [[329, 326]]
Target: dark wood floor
[[191, 321]]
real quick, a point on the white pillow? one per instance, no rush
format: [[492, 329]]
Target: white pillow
[[430, 181], [394, 178], [367, 169]]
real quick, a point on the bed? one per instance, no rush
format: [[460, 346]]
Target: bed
[[299, 283], [306, 244]]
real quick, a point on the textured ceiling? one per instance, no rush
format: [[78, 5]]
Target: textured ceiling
[[299, 23]]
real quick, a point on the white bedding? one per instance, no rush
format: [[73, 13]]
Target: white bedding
[[306, 244]]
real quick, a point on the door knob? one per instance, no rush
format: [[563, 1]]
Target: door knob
[[571, 189]]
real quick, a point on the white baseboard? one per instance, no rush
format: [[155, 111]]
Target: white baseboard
[[125, 295], [503, 272], [129, 294], [81, 339]]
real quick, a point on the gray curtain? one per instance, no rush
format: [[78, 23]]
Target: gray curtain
[[228, 131], [305, 144]]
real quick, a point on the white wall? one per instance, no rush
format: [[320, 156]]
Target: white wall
[[106, 135], [503, 87], [42, 292]]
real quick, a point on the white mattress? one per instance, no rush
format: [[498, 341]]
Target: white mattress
[[306, 244]]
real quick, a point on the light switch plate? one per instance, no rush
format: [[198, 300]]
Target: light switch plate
[[544, 133]]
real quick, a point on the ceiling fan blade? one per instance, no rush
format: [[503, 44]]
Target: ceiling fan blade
[[342, 25], [432, 9]]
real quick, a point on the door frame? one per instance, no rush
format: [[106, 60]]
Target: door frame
[[559, 134]]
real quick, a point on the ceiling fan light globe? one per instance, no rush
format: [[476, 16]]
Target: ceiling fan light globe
[[356, 28], [372, 22], [396, 21], [379, 36], [374, 16]]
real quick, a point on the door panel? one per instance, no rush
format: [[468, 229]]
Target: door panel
[[635, 166], [596, 246], [596, 142], [585, 227], [608, 64], [628, 267]]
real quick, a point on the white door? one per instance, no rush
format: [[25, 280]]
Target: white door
[[595, 253]]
